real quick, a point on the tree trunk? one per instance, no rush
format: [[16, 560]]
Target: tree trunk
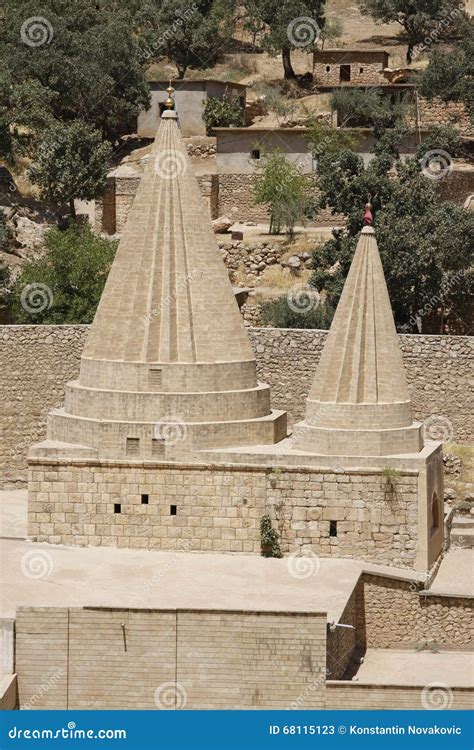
[[181, 70], [410, 48], [72, 208], [287, 66]]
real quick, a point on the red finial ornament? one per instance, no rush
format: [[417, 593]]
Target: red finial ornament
[[368, 216]]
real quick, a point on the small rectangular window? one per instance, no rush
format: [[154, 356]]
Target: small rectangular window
[[117, 508], [155, 378], [255, 153], [332, 528], [157, 447], [133, 446], [145, 499], [173, 509]]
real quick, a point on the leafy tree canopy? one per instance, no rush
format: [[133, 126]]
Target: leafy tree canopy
[[425, 245], [287, 25], [222, 113], [424, 21], [450, 75], [79, 60], [65, 284], [71, 162], [282, 188], [279, 314], [190, 32]]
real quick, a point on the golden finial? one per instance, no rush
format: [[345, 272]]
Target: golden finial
[[169, 102]]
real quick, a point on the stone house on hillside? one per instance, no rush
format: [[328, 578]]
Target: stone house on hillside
[[190, 97], [335, 66]]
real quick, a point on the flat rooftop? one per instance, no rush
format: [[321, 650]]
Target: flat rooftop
[[416, 668], [34, 574]]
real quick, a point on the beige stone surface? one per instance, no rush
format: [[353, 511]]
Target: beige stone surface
[[37, 362], [359, 403], [397, 667], [455, 576], [57, 576]]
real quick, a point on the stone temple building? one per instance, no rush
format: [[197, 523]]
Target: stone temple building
[[168, 380], [167, 445]]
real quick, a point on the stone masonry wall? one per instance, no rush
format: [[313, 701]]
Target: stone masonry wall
[[37, 361], [218, 509], [394, 613], [194, 659], [437, 112], [353, 696]]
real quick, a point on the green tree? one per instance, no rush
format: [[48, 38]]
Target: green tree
[[71, 162], [362, 107], [282, 188], [288, 25], [425, 245], [63, 285], [190, 33], [84, 57], [423, 21], [450, 75], [323, 139], [222, 113]]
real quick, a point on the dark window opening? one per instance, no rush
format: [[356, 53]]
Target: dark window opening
[[144, 499], [332, 528], [345, 73], [361, 70], [173, 509], [117, 508], [255, 153], [328, 68], [435, 513]]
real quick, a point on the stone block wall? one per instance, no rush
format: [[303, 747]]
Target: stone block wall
[[37, 361], [342, 513], [393, 612], [353, 696], [168, 659], [365, 68]]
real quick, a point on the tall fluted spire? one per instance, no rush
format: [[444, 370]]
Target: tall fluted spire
[[359, 402]]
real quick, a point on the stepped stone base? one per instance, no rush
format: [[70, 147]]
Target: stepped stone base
[[340, 442]]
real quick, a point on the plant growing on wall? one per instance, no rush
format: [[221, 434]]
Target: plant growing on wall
[[390, 476], [282, 188], [269, 538]]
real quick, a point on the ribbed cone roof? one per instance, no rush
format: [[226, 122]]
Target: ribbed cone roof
[[361, 362], [168, 298]]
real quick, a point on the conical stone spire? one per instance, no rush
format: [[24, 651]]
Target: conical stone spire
[[359, 402], [168, 364]]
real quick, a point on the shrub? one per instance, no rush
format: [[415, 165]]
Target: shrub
[[222, 113], [279, 314], [65, 283]]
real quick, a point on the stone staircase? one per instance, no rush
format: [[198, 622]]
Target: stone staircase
[[462, 532]]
